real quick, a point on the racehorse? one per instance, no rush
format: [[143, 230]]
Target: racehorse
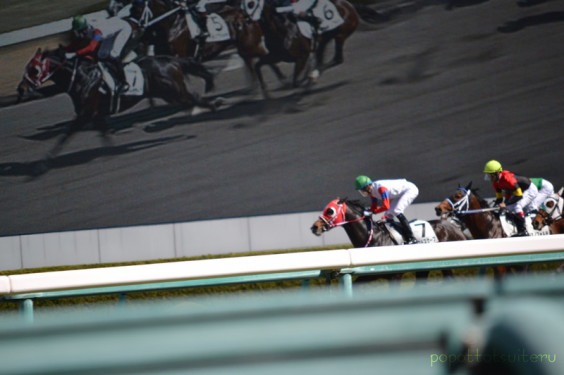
[[364, 232], [285, 42], [543, 219], [474, 212], [482, 224], [173, 37], [83, 80]]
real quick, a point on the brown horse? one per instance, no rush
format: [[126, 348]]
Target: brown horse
[[476, 215], [482, 224], [93, 100], [170, 34], [364, 232], [543, 219], [285, 42]]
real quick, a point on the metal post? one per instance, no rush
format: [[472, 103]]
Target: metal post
[[122, 299], [26, 308], [345, 281]]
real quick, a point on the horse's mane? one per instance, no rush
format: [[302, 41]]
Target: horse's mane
[[482, 201], [354, 203]]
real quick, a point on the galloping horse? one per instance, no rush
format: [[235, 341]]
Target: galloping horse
[[482, 224], [157, 77], [173, 36], [285, 42], [364, 232], [475, 213]]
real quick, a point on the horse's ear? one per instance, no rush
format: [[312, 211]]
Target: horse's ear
[[469, 186]]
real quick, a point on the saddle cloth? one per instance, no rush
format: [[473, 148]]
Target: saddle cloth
[[217, 27], [510, 228], [328, 15], [422, 231], [133, 75]]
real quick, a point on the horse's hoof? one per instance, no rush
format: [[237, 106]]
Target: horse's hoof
[[314, 76]]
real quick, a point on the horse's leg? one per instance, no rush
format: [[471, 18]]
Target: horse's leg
[[190, 66], [258, 72], [338, 57], [298, 69]]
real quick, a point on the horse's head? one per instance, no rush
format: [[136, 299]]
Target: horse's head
[[458, 201], [333, 215], [36, 72], [541, 219]]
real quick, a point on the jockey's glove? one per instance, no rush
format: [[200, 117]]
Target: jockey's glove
[[497, 202], [70, 55], [367, 213]]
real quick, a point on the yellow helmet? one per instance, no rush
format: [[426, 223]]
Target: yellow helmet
[[492, 166]]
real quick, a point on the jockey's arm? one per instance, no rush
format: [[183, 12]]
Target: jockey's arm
[[92, 45], [385, 201]]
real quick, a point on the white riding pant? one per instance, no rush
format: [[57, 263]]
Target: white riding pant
[[113, 44], [399, 204], [524, 205], [544, 193]]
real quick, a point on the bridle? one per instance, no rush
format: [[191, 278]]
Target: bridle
[[459, 207], [44, 64], [334, 216]]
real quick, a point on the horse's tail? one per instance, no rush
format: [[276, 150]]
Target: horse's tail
[[190, 66], [373, 16]]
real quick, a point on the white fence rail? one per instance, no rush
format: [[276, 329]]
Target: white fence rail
[[264, 264]]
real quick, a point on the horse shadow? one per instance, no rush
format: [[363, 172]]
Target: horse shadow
[[539, 19], [257, 108], [35, 169], [451, 4]]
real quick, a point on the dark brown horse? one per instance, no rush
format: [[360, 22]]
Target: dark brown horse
[[162, 77], [364, 232], [285, 42]]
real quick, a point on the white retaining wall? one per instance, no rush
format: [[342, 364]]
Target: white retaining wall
[[150, 242]]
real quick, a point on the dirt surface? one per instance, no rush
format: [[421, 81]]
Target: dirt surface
[[19, 14], [430, 97]]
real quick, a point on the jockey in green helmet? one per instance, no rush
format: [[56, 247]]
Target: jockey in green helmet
[[395, 196]]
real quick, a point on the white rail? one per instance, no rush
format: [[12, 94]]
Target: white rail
[[264, 264]]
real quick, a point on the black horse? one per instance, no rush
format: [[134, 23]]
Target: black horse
[[364, 232], [92, 97]]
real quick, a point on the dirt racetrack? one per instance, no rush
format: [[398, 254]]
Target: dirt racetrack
[[429, 96]]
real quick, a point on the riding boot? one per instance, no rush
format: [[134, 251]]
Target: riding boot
[[407, 232], [119, 74], [521, 228]]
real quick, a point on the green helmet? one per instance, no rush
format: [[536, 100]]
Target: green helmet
[[492, 166], [361, 181], [79, 23]]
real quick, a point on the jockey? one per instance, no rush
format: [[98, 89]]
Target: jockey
[[395, 195], [519, 192], [302, 9], [200, 14], [546, 190], [107, 40]]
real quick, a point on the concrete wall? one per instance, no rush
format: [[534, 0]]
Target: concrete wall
[[150, 242]]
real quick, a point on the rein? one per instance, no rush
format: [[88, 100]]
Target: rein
[[462, 206]]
